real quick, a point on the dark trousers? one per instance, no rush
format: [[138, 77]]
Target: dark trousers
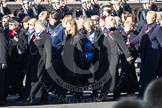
[[128, 79], [2, 84], [38, 91], [149, 67]]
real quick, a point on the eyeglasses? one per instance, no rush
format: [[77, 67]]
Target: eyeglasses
[[11, 24], [30, 24]]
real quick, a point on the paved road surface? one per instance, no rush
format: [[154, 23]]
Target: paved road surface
[[80, 105]]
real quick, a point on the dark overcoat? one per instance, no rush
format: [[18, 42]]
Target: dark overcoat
[[150, 42]]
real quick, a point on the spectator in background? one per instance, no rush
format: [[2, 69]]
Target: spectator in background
[[153, 94], [141, 16], [37, 7], [55, 5], [25, 10], [86, 9], [95, 7], [125, 6], [106, 10], [4, 10], [64, 9], [153, 6], [117, 9]]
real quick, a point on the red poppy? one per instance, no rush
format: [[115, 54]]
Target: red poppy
[[11, 33], [110, 33]]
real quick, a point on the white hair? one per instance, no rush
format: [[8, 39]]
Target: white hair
[[110, 21], [41, 26]]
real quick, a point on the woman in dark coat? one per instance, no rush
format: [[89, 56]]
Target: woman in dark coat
[[150, 43], [32, 56], [17, 50], [38, 93], [3, 65], [129, 83], [96, 51]]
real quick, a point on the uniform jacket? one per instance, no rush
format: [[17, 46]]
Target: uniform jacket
[[57, 34], [21, 14]]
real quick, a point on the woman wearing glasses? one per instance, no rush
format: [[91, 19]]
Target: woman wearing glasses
[[17, 51]]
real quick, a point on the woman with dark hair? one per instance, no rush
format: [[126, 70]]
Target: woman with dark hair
[[17, 51], [54, 28], [56, 31]]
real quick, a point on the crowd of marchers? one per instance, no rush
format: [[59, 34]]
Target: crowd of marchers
[[38, 44]]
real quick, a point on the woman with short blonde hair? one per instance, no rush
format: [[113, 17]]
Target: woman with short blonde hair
[[39, 26], [32, 21], [150, 17], [31, 29]]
